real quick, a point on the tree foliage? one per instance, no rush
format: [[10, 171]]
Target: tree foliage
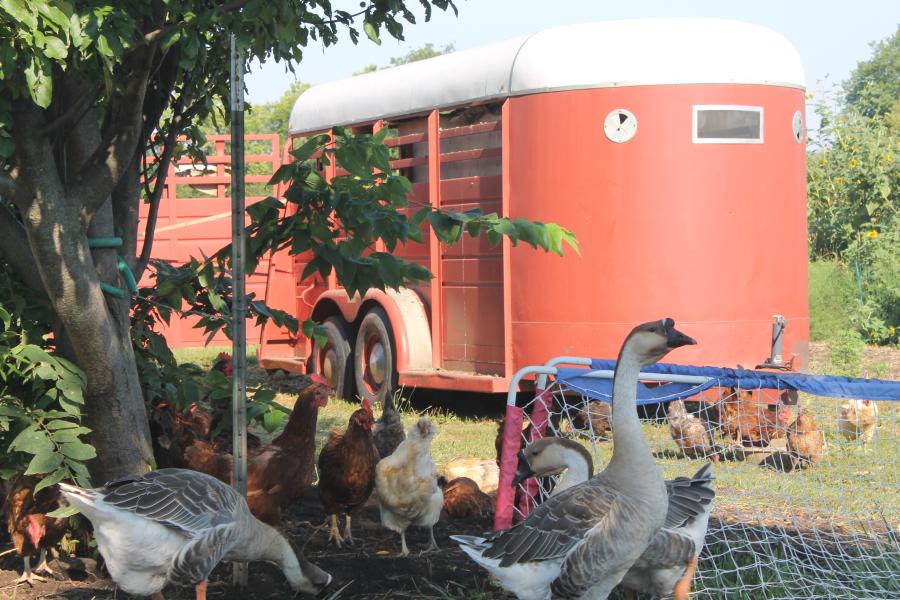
[[853, 180], [854, 188], [873, 89], [87, 91], [426, 51]]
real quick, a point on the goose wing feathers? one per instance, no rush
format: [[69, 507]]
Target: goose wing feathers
[[668, 548], [689, 497], [557, 525], [196, 560], [186, 500]]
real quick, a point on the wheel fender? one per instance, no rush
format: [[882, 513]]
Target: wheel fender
[[409, 322]]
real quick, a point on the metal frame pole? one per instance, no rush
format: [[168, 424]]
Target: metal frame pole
[[239, 297]]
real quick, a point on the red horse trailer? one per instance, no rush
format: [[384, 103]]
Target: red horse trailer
[[673, 148]]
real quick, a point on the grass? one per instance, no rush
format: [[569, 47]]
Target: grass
[[851, 491], [832, 297]]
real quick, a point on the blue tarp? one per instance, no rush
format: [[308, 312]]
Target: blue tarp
[[818, 385]]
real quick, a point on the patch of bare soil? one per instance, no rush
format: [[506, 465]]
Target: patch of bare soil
[[372, 569], [883, 359]]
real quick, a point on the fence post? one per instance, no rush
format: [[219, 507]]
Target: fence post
[[239, 299]]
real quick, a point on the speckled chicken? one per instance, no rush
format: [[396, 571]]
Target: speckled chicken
[[388, 431], [805, 441], [690, 433], [347, 470], [594, 417], [29, 526]]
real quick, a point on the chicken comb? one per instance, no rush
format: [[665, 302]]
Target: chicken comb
[[319, 379], [223, 356]]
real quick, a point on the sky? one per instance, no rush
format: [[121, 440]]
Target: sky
[[831, 36]]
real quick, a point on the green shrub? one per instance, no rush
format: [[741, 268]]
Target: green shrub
[[879, 258], [41, 394], [846, 352], [832, 299]]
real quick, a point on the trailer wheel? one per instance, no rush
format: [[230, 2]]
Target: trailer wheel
[[334, 360], [376, 357]]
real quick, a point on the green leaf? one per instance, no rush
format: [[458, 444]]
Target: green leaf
[[32, 441], [8, 410], [264, 395], [44, 462], [70, 435], [272, 420], [62, 512], [21, 12], [78, 450], [372, 32], [51, 479], [60, 424], [39, 81]]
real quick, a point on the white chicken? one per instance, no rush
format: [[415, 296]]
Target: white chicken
[[858, 420], [407, 486]]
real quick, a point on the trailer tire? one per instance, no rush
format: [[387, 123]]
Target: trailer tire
[[375, 361], [334, 360]]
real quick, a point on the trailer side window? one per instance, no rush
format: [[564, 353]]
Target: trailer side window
[[724, 124]]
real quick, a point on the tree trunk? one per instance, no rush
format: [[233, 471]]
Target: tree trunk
[[96, 326]]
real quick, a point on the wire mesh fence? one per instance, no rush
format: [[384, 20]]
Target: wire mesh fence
[[807, 487]]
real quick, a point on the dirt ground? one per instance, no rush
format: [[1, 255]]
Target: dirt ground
[[371, 569]]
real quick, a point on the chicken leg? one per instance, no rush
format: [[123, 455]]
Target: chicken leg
[[43, 566], [404, 550], [348, 533], [201, 590], [334, 533], [28, 576], [432, 544], [682, 589]]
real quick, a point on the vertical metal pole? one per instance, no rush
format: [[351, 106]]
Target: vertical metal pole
[[239, 300]]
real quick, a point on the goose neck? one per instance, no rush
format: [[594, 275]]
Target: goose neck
[[630, 449]]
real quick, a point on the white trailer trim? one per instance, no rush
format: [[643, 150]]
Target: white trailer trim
[[590, 55]]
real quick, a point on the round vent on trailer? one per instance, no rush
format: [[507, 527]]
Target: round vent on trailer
[[798, 127], [620, 125]]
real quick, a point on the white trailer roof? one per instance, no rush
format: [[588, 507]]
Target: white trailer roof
[[589, 55]]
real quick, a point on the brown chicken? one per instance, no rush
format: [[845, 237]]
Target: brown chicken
[[750, 420], [463, 498], [805, 441], [279, 472], [29, 527], [347, 470], [173, 432]]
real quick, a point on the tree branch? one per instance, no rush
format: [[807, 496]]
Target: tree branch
[[101, 172], [158, 34], [74, 114], [162, 171]]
